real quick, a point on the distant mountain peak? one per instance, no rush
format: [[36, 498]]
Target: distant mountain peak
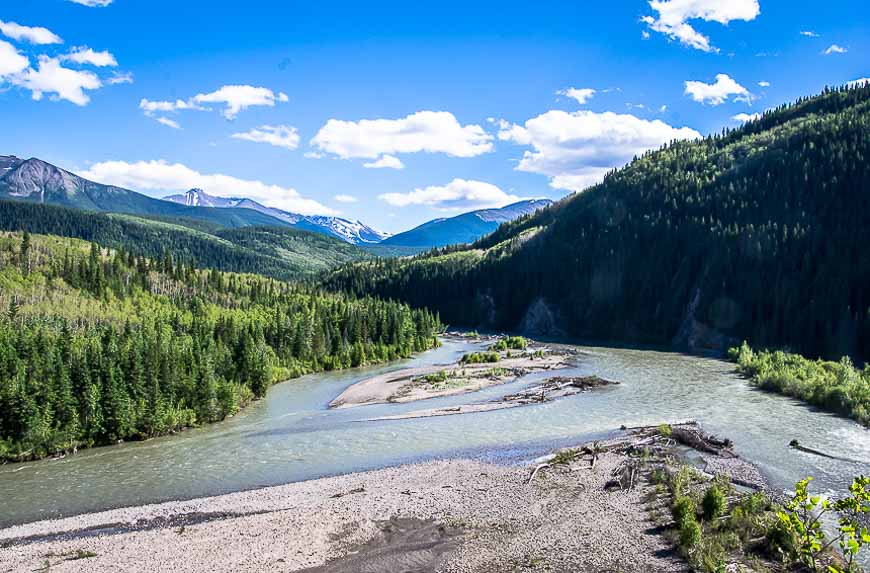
[[465, 228], [354, 232]]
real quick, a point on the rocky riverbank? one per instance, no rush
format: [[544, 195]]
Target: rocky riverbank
[[564, 514]]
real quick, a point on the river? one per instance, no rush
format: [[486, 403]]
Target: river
[[291, 435]]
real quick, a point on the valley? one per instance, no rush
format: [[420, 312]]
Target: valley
[[293, 436], [205, 380]]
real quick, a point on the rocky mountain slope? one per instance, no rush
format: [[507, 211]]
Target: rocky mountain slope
[[354, 232], [465, 228], [37, 181]]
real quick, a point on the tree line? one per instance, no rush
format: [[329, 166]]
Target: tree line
[[98, 346]]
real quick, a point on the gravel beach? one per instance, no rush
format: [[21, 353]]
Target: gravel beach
[[449, 516], [407, 385]]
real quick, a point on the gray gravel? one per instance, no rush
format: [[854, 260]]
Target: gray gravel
[[563, 522]]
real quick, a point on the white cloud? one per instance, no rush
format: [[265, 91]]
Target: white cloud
[[429, 131], [576, 149], [277, 135], [582, 95], [120, 78], [150, 106], [744, 117], [11, 61], [835, 49], [809, 34], [385, 162], [52, 78], [458, 194], [764, 84], [85, 55], [240, 97], [673, 17], [93, 3], [235, 98], [663, 109], [853, 83], [36, 35], [345, 198], [163, 176], [167, 122], [719, 92]]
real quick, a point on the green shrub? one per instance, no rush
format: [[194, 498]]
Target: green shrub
[[684, 510], [713, 504], [480, 357], [511, 343], [665, 430], [690, 533], [835, 386]]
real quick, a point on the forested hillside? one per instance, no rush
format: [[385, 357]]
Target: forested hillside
[[282, 253], [98, 346], [759, 233]]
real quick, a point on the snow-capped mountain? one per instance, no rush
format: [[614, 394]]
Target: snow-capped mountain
[[354, 232]]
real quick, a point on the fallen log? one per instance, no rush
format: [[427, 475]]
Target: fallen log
[[696, 439], [796, 445]]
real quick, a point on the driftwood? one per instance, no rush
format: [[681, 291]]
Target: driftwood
[[535, 471], [796, 445], [695, 438]]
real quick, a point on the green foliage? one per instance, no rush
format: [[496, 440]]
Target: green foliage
[[690, 533], [564, 457], [435, 377], [281, 253], [684, 510], [110, 346], [713, 504], [765, 226], [835, 386], [510, 343], [480, 357], [665, 430], [801, 519]]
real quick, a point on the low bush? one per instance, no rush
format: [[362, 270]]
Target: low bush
[[480, 357], [713, 504]]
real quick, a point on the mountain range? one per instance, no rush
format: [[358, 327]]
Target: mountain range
[[354, 232], [465, 228], [36, 181]]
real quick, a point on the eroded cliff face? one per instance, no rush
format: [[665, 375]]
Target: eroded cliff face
[[696, 336], [541, 319]]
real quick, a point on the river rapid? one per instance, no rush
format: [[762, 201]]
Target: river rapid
[[291, 435]]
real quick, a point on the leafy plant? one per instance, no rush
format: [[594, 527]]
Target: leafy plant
[[802, 516], [714, 503], [684, 510], [480, 357]]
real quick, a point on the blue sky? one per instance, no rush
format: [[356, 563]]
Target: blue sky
[[394, 112]]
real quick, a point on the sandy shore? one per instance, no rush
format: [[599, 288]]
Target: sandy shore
[[446, 516], [411, 384], [551, 389]]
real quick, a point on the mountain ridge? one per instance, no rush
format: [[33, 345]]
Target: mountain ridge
[[466, 227], [353, 232], [757, 233], [37, 181]]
